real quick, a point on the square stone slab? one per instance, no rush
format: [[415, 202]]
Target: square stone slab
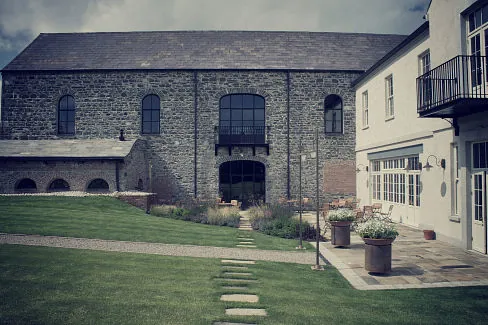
[[235, 288], [237, 262], [238, 273], [237, 280], [246, 312], [227, 323], [240, 298], [247, 246]]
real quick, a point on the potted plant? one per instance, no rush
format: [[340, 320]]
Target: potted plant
[[340, 221], [378, 236]]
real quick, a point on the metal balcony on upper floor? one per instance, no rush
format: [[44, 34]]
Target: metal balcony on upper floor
[[456, 88], [241, 136]]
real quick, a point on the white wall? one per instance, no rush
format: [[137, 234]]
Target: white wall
[[407, 129], [447, 29]]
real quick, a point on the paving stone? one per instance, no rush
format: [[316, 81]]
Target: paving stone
[[239, 298], [243, 288], [237, 262], [237, 268], [246, 312], [237, 280], [247, 246], [238, 273], [227, 323]]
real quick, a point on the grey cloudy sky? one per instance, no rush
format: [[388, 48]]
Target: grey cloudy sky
[[22, 20]]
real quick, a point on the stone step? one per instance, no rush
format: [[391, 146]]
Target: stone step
[[246, 312], [237, 262], [235, 268], [237, 280], [239, 298], [227, 323], [240, 288], [238, 273], [246, 246]]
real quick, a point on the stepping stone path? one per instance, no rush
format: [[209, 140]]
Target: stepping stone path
[[236, 275]]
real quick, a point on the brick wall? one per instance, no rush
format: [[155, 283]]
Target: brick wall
[[340, 178]]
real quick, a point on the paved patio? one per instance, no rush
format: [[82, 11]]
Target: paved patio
[[416, 263]]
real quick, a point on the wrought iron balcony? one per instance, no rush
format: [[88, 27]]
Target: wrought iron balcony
[[456, 88], [241, 136]]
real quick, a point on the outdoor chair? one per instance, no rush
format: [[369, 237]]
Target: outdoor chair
[[368, 212], [324, 213], [386, 216], [377, 207]]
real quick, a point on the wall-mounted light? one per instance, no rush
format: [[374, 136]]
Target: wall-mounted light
[[439, 162], [361, 167]]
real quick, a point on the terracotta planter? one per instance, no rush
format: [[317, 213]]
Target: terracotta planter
[[429, 234], [377, 257], [341, 233]]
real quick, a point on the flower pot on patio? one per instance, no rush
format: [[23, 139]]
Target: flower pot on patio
[[429, 234], [341, 233], [378, 236], [340, 222], [377, 258]]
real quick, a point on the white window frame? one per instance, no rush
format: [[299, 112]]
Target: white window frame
[[389, 98], [364, 97], [424, 62], [455, 179]]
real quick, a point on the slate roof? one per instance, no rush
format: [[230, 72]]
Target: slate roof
[[86, 149], [204, 50]]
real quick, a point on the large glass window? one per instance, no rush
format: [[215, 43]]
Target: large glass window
[[66, 115], [396, 180], [242, 119], [333, 114], [480, 155], [151, 109]]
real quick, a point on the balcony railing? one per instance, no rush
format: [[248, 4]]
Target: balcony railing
[[461, 78], [246, 136]]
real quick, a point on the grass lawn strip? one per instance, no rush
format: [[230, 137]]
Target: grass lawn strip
[[109, 218], [42, 285]]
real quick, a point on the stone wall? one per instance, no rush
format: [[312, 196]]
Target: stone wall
[[78, 174], [109, 101]]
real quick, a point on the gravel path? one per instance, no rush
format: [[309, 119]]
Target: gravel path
[[159, 249]]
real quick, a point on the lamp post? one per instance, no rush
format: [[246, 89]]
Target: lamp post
[[317, 266]]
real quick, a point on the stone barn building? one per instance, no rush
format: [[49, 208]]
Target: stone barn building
[[203, 113]]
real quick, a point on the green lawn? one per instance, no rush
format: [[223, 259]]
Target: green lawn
[[41, 285], [108, 218]]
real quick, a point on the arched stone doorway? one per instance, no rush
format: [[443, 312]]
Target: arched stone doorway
[[242, 180]]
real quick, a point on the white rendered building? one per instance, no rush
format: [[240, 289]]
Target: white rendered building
[[422, 126]]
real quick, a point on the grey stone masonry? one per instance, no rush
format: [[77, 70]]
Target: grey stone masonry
[[180, 162]]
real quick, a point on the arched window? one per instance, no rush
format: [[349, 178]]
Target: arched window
[[333, 119], [151, 108], [98, 185], [58, 185], [241, 119], [26, 185], [66, 115]]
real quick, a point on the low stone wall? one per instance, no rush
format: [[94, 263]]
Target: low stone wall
[[140, 200]]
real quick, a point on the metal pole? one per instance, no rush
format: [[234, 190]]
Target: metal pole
[[317, 233], [300, 246]]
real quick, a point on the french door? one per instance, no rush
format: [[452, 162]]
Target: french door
[[479, 198]]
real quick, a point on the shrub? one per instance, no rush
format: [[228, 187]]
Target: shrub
[[228, 216], [341, 215], [277, 220]]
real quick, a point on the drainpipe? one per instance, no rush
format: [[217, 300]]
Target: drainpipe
[[195, 132], [117, 178]]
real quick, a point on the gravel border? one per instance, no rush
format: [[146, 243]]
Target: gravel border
[[159, 249]]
